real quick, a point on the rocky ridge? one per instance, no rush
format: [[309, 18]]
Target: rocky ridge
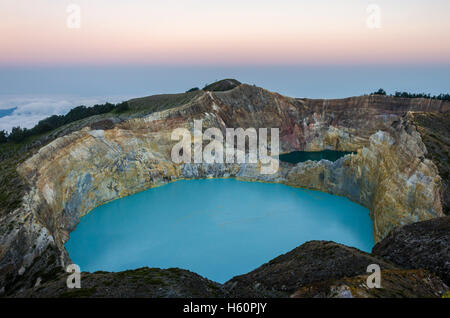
[[314, 269], [419, 245]]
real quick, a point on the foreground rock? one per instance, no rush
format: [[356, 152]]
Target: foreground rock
[[314, 269], [143, 282], [395, 284], [311, 262], [419, 245]]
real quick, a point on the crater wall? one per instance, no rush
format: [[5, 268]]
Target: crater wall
[[67, 178]]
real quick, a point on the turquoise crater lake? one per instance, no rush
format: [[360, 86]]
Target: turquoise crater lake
[[218, 228]]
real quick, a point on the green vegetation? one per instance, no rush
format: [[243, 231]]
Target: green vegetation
[[11, 184], [156, 103], [143, 105], [413, 95], [422, 95], [3, 136], [380, 92], [122, 107]]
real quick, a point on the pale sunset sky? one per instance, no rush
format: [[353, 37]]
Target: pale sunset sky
[[224, 32], [124, 49]]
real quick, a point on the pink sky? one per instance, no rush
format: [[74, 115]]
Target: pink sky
[[229, 32]]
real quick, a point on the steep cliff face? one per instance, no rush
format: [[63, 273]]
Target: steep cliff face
[[434, 129], [77, 172]]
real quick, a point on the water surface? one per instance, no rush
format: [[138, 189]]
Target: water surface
[[217, 228], [302, 156]]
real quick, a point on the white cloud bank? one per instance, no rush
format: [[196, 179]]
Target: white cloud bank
[[31, 109]]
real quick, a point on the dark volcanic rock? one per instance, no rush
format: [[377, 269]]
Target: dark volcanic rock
[[315, 269], [394, 284], [419, 245], [223, 85], [311, 262], [143, 282], [43, 269]]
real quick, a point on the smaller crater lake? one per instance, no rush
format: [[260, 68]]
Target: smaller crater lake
[[218, 228], [302, 156]]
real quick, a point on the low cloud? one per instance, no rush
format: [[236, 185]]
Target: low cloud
[[30, 110]]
